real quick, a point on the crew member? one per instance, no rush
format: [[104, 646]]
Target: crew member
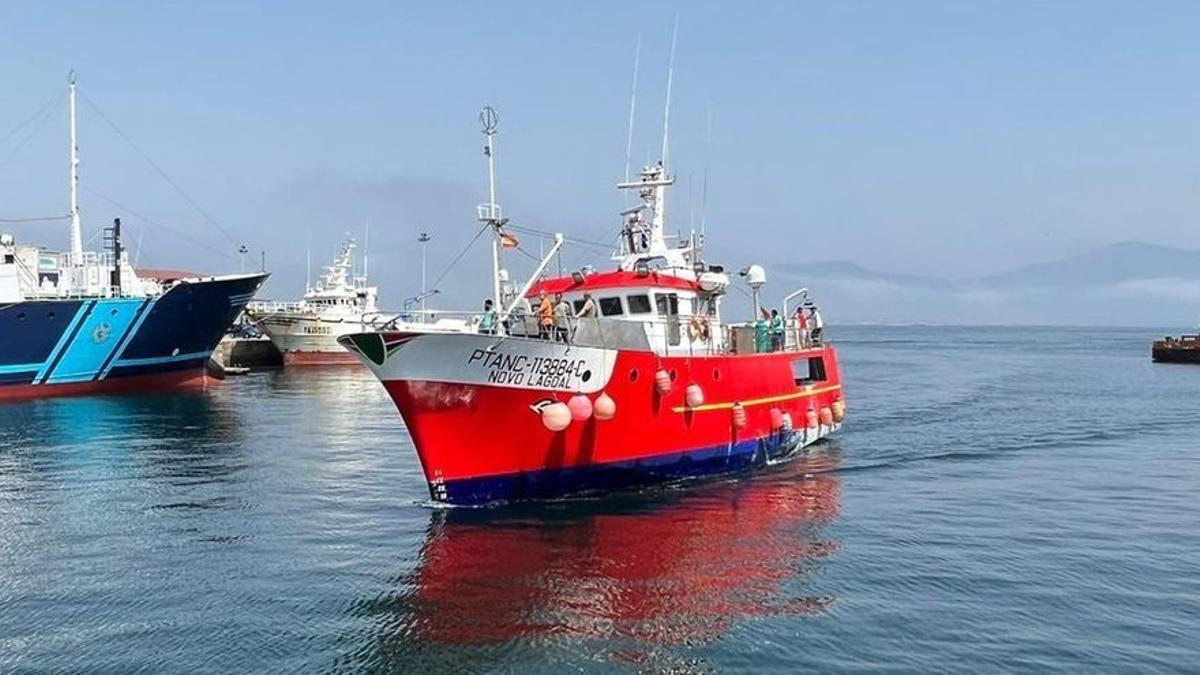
[[815, 323], [776, 325], [588, 310], [487, 323], [545, 316], [562, 319]]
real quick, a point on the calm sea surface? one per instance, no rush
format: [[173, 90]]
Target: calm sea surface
[[1000, 499]]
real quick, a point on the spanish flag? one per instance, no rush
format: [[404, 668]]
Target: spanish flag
[[508, 241]]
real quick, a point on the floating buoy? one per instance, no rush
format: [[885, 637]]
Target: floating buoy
[[787, 421], [739, 415], [694, 396], [580, 407], [810, 418], [839, 410], [776, 419], [604, 408], [556, 416], [662, 382], [826, 416]]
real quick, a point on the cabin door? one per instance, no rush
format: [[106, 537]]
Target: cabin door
[[668, 308]]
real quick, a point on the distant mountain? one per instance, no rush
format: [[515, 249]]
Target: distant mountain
[[1110, 265], [1129, 283], [846, 270]]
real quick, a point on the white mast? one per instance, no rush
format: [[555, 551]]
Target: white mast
[[366, 248], [76, 231], [667, 108], [490, 212], [637, 57], [423, 240]]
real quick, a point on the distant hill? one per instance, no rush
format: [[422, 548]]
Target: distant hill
[[1110, 265], [1128, 283], [1107, 266], [846, 270]]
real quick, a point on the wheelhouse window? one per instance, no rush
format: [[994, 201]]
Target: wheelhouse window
[[639, 304], [578, 305], [611, 306]]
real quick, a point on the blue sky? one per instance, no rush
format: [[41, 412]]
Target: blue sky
[[945, 138]]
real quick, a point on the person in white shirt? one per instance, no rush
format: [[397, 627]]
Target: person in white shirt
[[815, 324]]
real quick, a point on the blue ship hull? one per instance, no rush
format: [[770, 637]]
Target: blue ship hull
[[50, 347]]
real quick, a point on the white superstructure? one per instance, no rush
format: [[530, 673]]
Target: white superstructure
[[33, 273]]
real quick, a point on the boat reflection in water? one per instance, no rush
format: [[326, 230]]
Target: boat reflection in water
[[675, 568]]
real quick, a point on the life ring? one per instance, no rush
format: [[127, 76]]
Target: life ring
[[698, 328]]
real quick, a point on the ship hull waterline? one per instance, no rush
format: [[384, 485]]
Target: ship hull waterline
[[472, 406], [106, 345]]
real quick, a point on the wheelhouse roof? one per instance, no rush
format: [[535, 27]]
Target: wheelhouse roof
[[615, 280]]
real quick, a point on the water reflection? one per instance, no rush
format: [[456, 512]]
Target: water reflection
[[641, 573]]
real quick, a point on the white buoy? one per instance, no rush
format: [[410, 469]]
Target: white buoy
[[694, 396], [556, 416], [604, 408], [662, 382]]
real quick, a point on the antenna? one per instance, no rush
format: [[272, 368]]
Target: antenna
[[366, 246], [637, 57], [76, 230], [667, 108], [707, 158], [490, 214]]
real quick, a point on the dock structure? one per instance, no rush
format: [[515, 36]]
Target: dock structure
[[1182, 349], [237, 355]]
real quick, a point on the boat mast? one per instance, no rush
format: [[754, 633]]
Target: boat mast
[[490, 212], [76, 231]]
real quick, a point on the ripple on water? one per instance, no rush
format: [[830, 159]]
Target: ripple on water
[[1000, 499]]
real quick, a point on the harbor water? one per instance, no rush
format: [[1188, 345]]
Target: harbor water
[[1000, 499]]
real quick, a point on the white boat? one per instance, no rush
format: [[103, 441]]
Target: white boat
[[340, 303]]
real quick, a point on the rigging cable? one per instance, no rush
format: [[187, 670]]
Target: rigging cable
[[38, 120], [159, 169], [33, 220], [460, 255], [157, 224]]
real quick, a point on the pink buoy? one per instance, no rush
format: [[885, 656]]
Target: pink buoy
[[826, 417], [776, 418], [580, 407], [787, 421], [556, 416], [662, 382], [810, 419], [739, 415], [604, 408], [694, 396], [839, 410]]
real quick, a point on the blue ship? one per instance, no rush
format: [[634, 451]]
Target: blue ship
[[87, 345], [82, 322]]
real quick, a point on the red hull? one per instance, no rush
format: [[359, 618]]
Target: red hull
[[480, 443], [136, 384], [340, 358]]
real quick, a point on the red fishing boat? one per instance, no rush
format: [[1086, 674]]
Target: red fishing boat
[[644, 383]]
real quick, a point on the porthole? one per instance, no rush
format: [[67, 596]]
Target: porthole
[[21, 316], [633, 374], [50, 315], [716, 374], [114, 311], [673, 375]]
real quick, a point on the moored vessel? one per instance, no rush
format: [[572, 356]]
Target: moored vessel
[[1181, 349], [340, 303], [631, 378], [79, 322]]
